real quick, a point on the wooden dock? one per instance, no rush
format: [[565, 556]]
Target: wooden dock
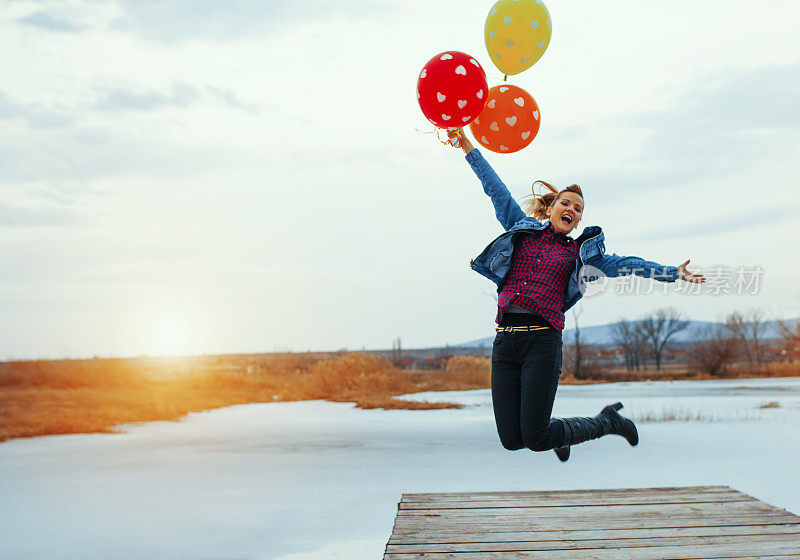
[[630, 523]]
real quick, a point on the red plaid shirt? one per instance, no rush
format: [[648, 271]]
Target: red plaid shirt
[[540, 268]]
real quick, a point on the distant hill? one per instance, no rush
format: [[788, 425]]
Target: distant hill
[[602, 334]]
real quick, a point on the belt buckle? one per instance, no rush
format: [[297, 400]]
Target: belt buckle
[[509, 329]]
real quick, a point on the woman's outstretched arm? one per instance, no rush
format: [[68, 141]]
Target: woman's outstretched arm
[[506, 209], [614, 265]]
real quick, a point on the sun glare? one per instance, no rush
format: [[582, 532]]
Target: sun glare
[[170, 336]]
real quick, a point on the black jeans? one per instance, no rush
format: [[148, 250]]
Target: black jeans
[[525, 371]]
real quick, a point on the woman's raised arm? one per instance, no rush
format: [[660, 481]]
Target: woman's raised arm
[[506, 209]]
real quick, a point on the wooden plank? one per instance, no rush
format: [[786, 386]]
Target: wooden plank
[[561, 502], [577, 496], [791, 543], [759, 549], [411, 499], [676, 491], [709, 508], [670, 553], [435, 535], [406, 525]]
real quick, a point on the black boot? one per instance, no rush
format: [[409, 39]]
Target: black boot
[[609, 421], [563, 452], [614, 423]]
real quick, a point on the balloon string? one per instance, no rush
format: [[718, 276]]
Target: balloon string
[[505, 78], [448, 142], [437, 131]]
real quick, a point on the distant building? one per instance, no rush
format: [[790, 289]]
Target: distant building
[[612, 356]]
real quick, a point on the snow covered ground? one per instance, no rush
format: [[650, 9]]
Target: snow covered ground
[[317, 480]]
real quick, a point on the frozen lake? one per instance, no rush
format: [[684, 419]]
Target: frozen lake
[[318, 480]]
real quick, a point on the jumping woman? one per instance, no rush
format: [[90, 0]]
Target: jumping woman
[[539, 271]]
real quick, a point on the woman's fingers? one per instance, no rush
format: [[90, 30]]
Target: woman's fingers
[[696, 278], [687, 276], [455, 137]]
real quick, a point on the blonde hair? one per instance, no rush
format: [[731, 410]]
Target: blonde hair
[[537, 204]]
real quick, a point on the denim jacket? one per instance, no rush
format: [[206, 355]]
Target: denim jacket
[[495, 260]]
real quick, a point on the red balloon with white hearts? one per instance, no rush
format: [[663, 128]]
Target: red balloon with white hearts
[[452, 89]]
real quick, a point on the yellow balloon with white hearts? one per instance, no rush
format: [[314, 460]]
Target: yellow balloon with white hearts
[[517, 33]]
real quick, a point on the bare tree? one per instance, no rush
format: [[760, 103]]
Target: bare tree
[[632, 338], [748, 329], [397, 351], [715, 353], [790, 333], [581, 359], [591, 366], [621, 335], [577, 348], [660, 327]]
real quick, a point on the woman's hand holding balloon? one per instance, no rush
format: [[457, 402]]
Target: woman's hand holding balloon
[[458, 139]]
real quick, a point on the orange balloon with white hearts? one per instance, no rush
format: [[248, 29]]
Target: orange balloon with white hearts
[[509, 120]]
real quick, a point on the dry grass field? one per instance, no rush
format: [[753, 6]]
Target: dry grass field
[[86, 396]]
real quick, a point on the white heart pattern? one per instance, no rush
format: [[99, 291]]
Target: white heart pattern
[[549, 24], [534, 24], [477, 121], [503, 147], [491, 104], [462, 103], [536, 115], [507, 20], [466, 119], [497, 56], [491, 34], [525, 135], [503, 89], [446, 117], [446, 56], [484, 140], [520, 101], [539, 2], [440, 96], [511, 120], [493, 12], [479, 95], [461, 70], [494, 126], [541, 44], [509, 43], [475, 62], [524, 60], [424, 73]]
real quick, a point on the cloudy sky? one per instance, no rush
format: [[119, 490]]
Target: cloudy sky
[[244, 176]]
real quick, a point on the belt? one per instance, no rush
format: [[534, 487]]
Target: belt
[[520, 329]]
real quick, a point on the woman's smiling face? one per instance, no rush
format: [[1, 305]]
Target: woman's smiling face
[[565, 212]]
